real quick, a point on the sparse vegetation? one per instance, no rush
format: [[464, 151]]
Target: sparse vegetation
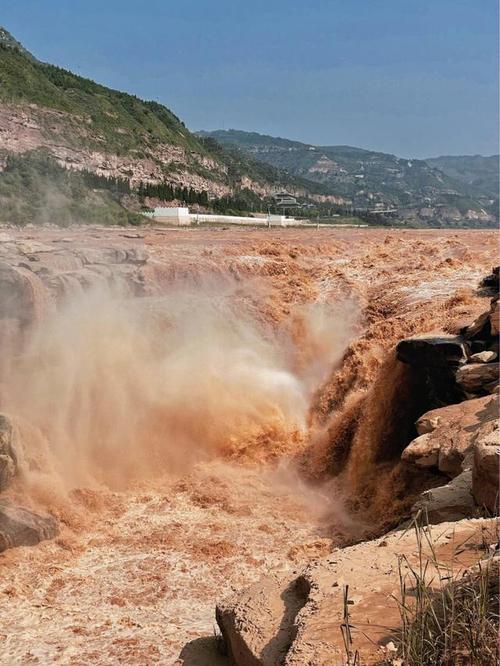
[[447, 619]]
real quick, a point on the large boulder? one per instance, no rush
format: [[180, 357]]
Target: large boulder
[[485, 471], [447, 435], [8, 457], [486, 326], [423, 451], [434, 351], [479, 329], [22, 527], [478, 378], [258, 624], [451, 501]]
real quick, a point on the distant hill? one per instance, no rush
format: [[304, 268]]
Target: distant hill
[[368, 178], [479, 174], [87, 126]]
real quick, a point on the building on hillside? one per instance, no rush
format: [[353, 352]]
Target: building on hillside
[[284, 199]]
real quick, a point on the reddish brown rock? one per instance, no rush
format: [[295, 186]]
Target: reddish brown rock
[[449, 434], [480, 327], [422, 451], [478, 378], [494, 318], [485, 478]]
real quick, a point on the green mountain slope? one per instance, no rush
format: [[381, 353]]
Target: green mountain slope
[[87, 125], [122, 120], [34, 188], [7, 40]]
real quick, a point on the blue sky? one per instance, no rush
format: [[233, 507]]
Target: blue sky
[[413, 77]]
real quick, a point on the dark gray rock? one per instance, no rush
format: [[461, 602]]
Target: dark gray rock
[[436, 351], [491, 282]]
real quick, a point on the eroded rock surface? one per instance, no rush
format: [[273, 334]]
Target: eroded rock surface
[[253, 620], [23, 527], [485, 479], [478, 378], [448, 435]]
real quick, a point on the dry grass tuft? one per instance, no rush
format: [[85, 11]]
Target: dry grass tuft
[[447, 619]]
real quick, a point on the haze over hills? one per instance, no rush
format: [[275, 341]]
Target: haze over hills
[[132, 153], [480, 174], [446, 189]]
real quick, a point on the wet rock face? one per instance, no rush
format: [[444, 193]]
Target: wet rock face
[[22, 527], [19, 289], [435, 359], [36, 276], [491, 282]]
